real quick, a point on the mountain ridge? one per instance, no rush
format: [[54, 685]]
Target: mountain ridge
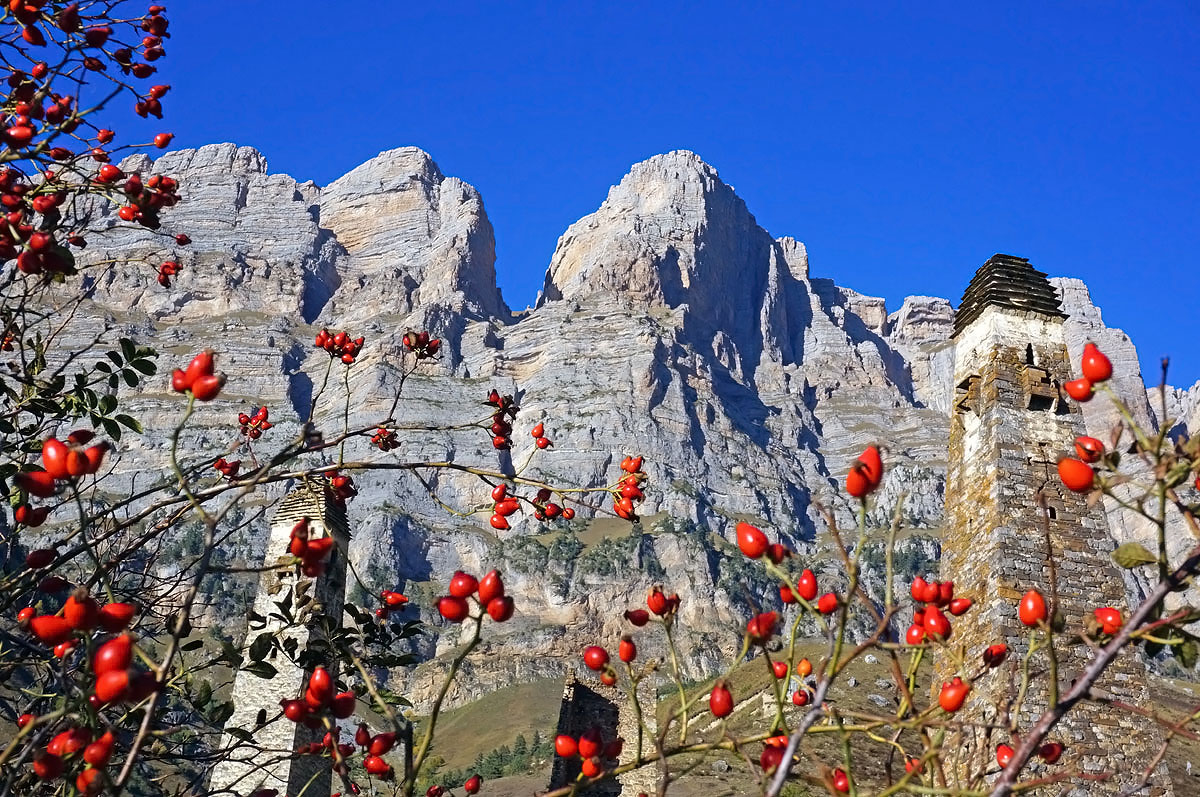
[[670, 324]]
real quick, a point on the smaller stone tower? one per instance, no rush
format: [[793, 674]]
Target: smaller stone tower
[[585, 705], [268, 764], [1010, 423]]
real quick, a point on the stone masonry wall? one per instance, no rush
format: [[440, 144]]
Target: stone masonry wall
[[246, 770], [1010, 424], [606, 707]]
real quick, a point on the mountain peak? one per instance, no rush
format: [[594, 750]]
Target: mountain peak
[[669, 231]]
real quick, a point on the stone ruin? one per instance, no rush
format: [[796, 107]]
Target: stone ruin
[[592, 704]]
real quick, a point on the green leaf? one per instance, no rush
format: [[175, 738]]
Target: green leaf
[[1132, 554], [130, 378], [222, 713], [260, 647], [116, 358], [108, 403], [129, 422], [261, 668], [1186, 653], [147, 367], [128, 349], [240, 733], [193, 645], [203, 695], [111, 428], [393, 699], [230, 654], [103, 367]]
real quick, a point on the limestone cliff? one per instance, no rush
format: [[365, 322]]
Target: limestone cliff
[[670, 324]]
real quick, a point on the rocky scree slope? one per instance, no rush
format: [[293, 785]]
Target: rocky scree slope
[[670, 324]]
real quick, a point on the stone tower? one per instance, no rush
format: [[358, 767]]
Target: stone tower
[[1010, 424], [269, 764], [584, 705]]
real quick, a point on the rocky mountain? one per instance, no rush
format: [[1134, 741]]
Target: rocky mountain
[[670, 324]]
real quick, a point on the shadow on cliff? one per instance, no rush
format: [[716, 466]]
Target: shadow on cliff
[[895, 368], [321, 277]]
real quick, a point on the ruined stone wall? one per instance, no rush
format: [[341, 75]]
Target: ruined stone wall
[[246, 770], [1010, 424], [608, 708]]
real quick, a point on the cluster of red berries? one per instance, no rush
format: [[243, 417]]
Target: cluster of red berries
[[342, 486], [929, 622], [151, 104], [804, 668], [319, 699], [772, 754], [596, 658], [420, 344], [168, 269], [253, 426], [385, 439], [753, 543], [659, 603], [392, 601], [228, 468], [539, 436], [501, 428], [198, 378], [146, 200], [596, 753], [865, 474], [544, 509], [69, 748], [75, 752], [375, 746], [61, 462], [1078, 475], [79, 614], [35, 116], [339, 345], [504, 505], [628, 491], [1096, 368], [312, 551], [36, 250], [1050, 752], [488, 593]]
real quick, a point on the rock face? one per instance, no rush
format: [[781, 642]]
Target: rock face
[[670, 324]]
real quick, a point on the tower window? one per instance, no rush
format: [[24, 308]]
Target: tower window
[[1029, 358]]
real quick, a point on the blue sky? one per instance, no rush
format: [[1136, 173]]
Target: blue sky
[[903, 143]]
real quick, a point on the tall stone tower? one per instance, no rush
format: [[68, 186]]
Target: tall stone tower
[[268, 764], [1010, 424]]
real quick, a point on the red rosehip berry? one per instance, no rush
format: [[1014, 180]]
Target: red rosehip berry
[[453, 608], [953, 694], [720, 700], [1095, 366], [595, 657], [1079, 389], [806, 586], [1032, 609], [1076, 476], [752, 542]]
